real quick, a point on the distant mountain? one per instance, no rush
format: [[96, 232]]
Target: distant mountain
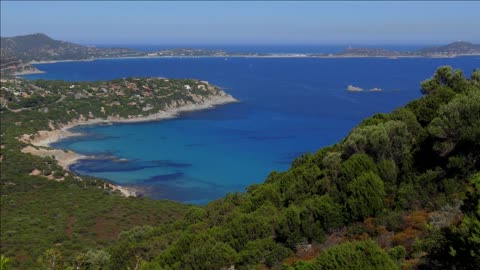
[[40, 47], [451, 50], [17, 53], [457, 48]]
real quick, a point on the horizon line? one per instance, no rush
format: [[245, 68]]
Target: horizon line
[[261, 43]]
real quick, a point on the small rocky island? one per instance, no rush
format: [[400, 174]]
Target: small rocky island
[[351, 88]]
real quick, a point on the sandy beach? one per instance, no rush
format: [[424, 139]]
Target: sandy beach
[[59, 61], [42, 140], [28, 72]]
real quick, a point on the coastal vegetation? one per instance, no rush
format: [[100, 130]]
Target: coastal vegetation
[[59, 102], [43, 205], [401, 190]]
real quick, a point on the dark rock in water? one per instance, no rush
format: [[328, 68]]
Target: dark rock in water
[[171, 164], [164, 177]]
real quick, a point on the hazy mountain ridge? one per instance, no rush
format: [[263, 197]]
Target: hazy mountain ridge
[[40, 47], [457, 48]]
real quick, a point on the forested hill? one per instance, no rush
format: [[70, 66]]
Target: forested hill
[[454, 49], [401, 190], [40, 47], [459, 47]]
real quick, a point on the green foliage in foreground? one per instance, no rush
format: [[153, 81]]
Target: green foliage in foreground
[[4, 262], [367, 195], [401, 180], [72, 218], [402, 190], [353, 256]]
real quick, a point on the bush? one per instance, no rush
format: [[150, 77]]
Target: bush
[[366, 196], [364, 255]]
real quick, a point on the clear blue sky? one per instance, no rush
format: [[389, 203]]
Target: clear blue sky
[[245, 22]]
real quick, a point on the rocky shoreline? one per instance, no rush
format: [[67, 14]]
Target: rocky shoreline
[[28, 72], [43, 139]]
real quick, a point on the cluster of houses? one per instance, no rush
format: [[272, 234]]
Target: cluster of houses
[[20, 89], [136, 89]]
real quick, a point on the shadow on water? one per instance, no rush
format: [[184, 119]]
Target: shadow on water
[[112, 164]]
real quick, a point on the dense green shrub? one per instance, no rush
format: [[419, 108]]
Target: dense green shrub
[[353, 256], [366, 195]]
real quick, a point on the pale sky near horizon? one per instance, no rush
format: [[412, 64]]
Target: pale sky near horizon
[[123, 22]]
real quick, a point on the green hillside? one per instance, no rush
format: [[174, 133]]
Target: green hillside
[[401, 190], [459, 47], [40, 47]]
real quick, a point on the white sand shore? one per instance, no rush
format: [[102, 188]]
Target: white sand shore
[[28, 72], [44, 138], [64, 158], [60, 61]]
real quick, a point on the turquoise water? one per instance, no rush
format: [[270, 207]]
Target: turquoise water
[[288, 106]]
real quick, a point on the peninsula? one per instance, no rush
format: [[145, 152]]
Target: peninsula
[[20, 52], [47, 109]]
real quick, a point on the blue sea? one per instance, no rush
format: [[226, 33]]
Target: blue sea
[[288, 106]]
